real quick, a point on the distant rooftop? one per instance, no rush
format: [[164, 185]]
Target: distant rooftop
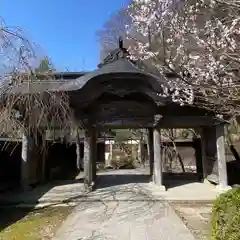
[[68, 75]]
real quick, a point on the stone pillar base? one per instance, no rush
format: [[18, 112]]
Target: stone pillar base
[[162, 188], [223, 189], [159, 187], [206, 181], [211, 179]]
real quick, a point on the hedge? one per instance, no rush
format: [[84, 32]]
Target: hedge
[[226, 216]]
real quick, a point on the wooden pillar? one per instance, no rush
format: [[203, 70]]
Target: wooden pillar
[[198, 156], [24, 161], [93, 154], [203, 151], [209, 154], [44, 157], [89, 158], [37, 157], [111, 142], [31, 159], [213, 156], [221, 159], [141, 153], [101, 152], [150, 150], [27, 145], [108, 156], [87, 162], [158, 174], [78, 151]]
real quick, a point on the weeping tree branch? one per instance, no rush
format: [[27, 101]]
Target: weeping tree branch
[[32, 113]]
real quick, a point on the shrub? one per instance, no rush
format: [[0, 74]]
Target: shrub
[[123, 162], [226, 216]]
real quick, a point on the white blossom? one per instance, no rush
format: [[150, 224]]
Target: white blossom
[[193, 37]]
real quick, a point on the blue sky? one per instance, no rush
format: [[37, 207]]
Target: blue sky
[[65, 29]]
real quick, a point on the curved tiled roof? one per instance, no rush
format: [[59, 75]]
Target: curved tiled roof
[[117, 89]]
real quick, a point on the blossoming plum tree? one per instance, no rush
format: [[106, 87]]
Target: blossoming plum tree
[[197, 41]]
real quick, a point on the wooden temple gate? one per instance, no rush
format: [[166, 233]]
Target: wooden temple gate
[[121, 95]]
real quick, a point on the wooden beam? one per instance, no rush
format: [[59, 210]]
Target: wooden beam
[[149, 121], [187, 121], [164, 122], [127, 123], [109, 104]]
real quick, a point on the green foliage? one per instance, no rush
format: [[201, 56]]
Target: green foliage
[[122, 162], [44, 66], [226, 216]]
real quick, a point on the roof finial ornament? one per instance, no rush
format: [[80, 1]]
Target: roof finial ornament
[[116, 54]]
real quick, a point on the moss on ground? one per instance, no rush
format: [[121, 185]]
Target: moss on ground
[[197, 218], [226, 216], [30, 224]]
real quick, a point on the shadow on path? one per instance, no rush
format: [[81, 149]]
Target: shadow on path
[[16, 204], [170, 180], [111, 180], [122, 207]]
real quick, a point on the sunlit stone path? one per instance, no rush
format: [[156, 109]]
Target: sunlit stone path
[[123, 209]]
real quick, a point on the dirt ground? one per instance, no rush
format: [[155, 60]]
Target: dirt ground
[[196, 216], [31, 224]]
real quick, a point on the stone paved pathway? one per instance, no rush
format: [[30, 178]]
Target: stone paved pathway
[[197, 217], [123, 211]]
